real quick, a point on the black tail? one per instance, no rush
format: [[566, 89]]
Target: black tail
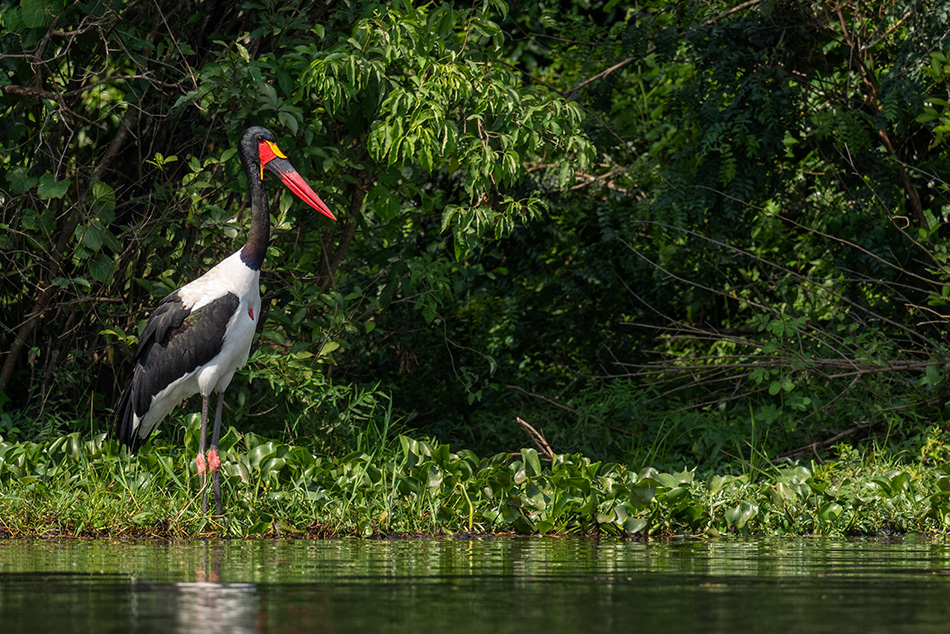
[[123, 430]]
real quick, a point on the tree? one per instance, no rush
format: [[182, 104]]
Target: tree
[[404, 113]]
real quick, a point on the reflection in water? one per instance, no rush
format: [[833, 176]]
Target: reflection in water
[[505, 585], [216, 608], [210, 606]]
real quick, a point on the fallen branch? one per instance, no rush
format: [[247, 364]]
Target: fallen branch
[[544, 449]]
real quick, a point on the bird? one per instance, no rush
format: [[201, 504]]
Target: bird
[[199, 335]]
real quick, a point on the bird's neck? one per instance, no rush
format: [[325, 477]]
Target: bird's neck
[[254, 250]]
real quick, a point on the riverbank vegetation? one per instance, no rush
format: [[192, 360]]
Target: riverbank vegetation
[[75, 487], [648, 267]]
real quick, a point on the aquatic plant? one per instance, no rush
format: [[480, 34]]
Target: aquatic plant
[[91, 487]]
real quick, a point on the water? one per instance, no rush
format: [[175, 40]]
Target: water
[[493, 585]]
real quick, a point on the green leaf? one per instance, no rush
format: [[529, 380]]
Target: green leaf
[[143, 518], [259, 453], [101, 268], [830, 511], [51, 188], [259, 528], [92, 235], [327, 348], [33, 13], [635, 524], [20, 180], [531, 460], [716, 483], [288, 120], [104, 195], [740, 515]]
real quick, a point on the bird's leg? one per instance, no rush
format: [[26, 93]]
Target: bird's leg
[[201, 453], [214, 461]]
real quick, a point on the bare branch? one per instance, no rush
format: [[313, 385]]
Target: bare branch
[[544, 449]]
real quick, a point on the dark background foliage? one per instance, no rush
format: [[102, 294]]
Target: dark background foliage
[[667, 233]]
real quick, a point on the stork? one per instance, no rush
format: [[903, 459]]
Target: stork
[[200, 334]]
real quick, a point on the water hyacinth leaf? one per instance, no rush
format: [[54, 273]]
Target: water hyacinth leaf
[[535, 496], [375, 475], [237, 470], [520, 475], [685, 477], [57, 446], [273, 466], [413, 450], [582, 485], [830, 511], [492, 516], [407, 485], [463, 469], [781, 493], [693, 514], [740, 515], [642, 495], [192, 430], [544, 526], [434, 477], [252, 440], [72, 446], [531, 461], [445, 515], [299, 457], [230, 438], [675, 494], [634, 524], [260, 453], [716, 483]]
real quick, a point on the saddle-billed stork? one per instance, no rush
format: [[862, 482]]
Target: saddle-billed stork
[[200, 334]]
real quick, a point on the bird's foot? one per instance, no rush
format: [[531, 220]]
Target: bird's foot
[[201, 463], [214, 462]]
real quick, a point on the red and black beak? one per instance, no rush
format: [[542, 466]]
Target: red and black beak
[[276, 161]]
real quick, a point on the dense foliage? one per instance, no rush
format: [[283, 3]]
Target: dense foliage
[[661, 233], [77, 487]]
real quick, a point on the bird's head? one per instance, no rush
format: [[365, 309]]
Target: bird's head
[[261, 143]]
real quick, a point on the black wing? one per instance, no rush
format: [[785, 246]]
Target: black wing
[[175, 342]]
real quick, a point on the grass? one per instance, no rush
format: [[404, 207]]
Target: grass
[[75, 486]]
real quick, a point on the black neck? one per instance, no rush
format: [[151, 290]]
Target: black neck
[[255, 248]]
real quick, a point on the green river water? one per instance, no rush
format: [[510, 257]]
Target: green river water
[[524, 585]]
